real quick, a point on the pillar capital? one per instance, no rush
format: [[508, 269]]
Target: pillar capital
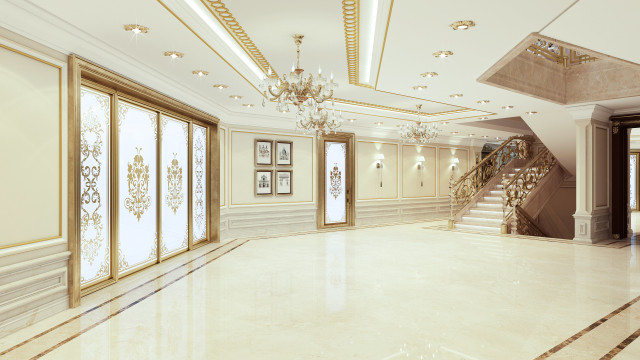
[[584, 114]]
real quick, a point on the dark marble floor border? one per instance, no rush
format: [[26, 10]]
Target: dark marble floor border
[[623, 344], [120, 296], [586, 330]]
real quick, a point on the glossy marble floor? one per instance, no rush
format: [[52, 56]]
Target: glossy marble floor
[[398, 292]]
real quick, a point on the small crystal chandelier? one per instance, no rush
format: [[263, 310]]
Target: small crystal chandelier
[[307, 94], [420, 132]]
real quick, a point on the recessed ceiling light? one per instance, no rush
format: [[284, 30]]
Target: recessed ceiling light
[[484, 136], [445, 123], [379, 123], [497, 137], [462, 25], [248, 105], [200, 72], [454, 132], [220, 86], [352, 120], [471, 135], [429, 74], [136, 29], [455, 96], [483, 101], [507, 107], [419, 87], [484, 118], [174, 54], [235, 97], [531, 113], [442, 54], [284, 111]]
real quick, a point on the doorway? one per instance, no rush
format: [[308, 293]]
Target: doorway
[[335, 180]]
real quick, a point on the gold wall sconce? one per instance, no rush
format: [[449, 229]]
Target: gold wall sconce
[[421, 169], [454, 164], [379, 166]]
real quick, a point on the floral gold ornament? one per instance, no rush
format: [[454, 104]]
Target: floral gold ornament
[[335, 176], [463, 25], [136, 29], [175, 197], [559, 54], [139, 199], [307, 93]]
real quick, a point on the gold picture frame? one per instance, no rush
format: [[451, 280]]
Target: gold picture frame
[[284, 182], [284, 153], [263, 149], [263, 182]]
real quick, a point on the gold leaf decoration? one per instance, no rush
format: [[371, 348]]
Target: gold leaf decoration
[[138, 200], [175, 197], [336, 179]]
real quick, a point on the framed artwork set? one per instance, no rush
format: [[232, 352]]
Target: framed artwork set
[[268, 153]]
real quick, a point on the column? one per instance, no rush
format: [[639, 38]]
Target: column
[[593, 188]]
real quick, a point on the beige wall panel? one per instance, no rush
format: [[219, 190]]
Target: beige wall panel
[[242, 168], [223, 164], [411, 175], [367, 176], [445, 158], [30, 115], [601, 154]]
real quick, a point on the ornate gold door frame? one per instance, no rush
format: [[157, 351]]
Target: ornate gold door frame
[[336, 180]]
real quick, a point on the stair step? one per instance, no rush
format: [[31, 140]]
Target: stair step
[[496, 193], [493, 199], [481, 220], [483, 204], [486, 213], [487, 229]]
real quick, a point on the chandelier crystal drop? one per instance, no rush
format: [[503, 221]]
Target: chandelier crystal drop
[[419, 132], [307, 94]]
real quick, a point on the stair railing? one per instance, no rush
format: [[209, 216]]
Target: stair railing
[[516, 189], [467, 186], [522, 223]]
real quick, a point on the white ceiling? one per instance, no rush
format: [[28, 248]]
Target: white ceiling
[[405, 43]]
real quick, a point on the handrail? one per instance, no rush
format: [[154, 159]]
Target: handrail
[[462, 191], [518, 188], [525, 225]]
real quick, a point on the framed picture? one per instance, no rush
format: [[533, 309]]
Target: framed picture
[[284, 153], [264, 152], [263, 182], [284, 182]]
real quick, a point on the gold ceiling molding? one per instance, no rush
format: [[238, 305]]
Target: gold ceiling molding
[[220, 11], [396, 109], [351, 17]]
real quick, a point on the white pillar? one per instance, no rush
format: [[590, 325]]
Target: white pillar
[[593, 172]]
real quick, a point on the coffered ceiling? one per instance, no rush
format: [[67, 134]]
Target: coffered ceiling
[[376, 49]]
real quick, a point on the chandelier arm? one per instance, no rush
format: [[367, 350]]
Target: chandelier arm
[[276, 96]]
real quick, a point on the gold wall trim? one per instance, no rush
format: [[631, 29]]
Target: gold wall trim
[[223, 194], [384, 43], [33, 57], [273, 167]]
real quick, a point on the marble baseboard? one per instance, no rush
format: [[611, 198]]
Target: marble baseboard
[[33, 283], [266, 220]]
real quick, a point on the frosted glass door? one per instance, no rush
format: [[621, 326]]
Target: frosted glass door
[[95, 245], [335, 209], [174, 180], [199, 187], [137, 189]]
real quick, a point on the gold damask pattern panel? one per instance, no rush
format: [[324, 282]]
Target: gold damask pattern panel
[[95, 249], [137, 187], [174, 187], [199, 186]]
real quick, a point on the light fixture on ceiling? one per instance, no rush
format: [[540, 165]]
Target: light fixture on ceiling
[[419, 87], [484, 118], [497, 137], [454, 133], [472, 135], [485, 136], [442, 54], [200, 72], [352, 120], [482, 102], [136, 29], [456, 96], [220, 86], [462, 25], [174, 54], [531, 113], [236, 97], [429, 74], [507, 107], [445, 123], [379, 123], [419, 132], [307, 94], [247, 105]]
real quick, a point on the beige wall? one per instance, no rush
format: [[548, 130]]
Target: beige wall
[[601, 155], [241, 183], [411, 175], [556, 218], [367, 174], [445, 157], [31, 138], [223, 166]]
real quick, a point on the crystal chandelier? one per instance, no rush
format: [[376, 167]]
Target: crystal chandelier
[[307, 93], [420, 132]]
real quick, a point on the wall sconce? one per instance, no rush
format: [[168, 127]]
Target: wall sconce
[[454, 163], [421, 169], [379, 160]]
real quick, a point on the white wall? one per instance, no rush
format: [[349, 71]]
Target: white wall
[[33, 247]]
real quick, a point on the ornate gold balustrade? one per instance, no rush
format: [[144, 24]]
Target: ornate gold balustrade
[[523, 224], [518, 188], [467, 186]]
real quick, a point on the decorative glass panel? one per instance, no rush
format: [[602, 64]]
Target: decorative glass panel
[[137, 189], [174, 167], [199, 187], [633, 163], [335, 209], [95, 246]]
